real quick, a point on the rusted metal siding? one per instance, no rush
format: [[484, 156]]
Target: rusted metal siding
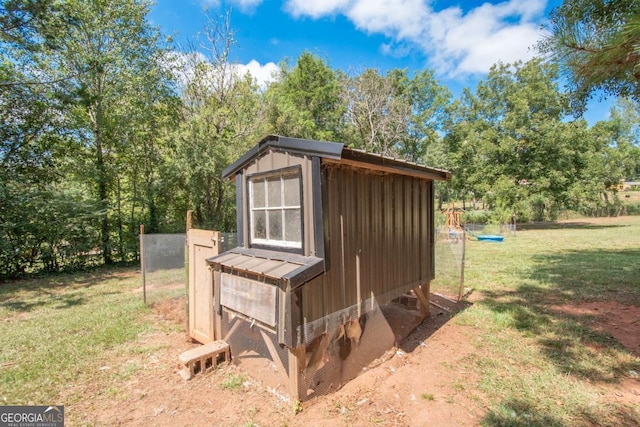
[[379, 240]]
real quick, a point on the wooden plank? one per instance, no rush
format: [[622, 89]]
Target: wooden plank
[[424, 291], [249, 297], [296, 360], [400, 170], [217, 310], [202, 244]]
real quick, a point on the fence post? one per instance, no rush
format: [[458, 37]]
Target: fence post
[[464, 242], [144, 279], [189, 224]]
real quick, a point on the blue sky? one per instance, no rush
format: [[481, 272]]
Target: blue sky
[[458, 40]]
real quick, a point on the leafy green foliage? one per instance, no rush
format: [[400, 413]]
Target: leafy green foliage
[[306, 100], [597, 42], [513, 147], [104, 127]]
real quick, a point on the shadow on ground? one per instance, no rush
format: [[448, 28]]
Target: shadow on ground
[[56, 291], [577, 225], [441, 311], [568, 341], [590, 275]]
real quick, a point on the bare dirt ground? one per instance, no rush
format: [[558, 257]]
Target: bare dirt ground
[[421, 383], [415, 386]]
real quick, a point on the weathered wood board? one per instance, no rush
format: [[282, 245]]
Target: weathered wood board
[[254, 299], [202, 244]]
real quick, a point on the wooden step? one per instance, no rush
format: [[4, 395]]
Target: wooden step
[[204, 358]]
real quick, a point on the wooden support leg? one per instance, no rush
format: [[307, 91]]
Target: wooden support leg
[[422, 292], [296, 382]]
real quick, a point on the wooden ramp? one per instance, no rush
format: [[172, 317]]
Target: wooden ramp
[[204, 358]]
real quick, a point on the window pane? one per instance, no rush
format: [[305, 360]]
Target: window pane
[[293, 227], [274, 189], [275, 225], [258, 193], [291, 191], [259, 225]]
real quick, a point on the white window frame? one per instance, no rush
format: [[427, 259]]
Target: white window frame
[[282, 207]]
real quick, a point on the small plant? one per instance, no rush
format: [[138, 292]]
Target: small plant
[[233, 382], [428, 396], [297, 407]]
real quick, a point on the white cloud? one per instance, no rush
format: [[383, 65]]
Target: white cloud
[[456, 42], [264, 74], [246, 5], [190, 66], [402, 19], [317, 8]]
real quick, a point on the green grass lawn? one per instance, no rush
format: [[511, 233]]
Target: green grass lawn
[[59, 331], [538, 367], [533, 366]]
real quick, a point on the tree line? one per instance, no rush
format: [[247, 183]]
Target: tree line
[[106, 125]]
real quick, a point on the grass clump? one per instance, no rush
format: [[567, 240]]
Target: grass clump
[[233, 382]]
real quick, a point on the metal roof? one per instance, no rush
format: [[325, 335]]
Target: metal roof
[[392, 164], [338, 153], [324, 149], [293, 269]]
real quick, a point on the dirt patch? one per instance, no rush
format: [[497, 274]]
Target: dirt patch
[[172, 309], [621, 321], [426, 380], [415, 386]]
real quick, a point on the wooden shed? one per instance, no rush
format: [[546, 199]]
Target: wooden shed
[[327, 235]]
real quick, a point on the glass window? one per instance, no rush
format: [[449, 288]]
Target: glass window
[[275, 209]]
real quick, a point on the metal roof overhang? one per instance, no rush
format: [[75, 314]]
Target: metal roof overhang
[[291, 269], [363, 159], [308, 147], [337, 153]]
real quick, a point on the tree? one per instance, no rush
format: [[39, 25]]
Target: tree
[[46, 222], [597, 43], [510, 145], [429, 103], [113, 56], [221, 117], [305, 101], [378, 116]]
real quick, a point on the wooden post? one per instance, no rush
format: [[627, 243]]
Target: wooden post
[[189, 224], [189, 220], [144, 278], [422, 292], [461, 290], [296, 358]]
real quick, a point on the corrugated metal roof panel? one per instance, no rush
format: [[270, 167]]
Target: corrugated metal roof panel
[[291, 268]]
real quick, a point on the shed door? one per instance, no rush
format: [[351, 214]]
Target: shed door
[[202, 244]]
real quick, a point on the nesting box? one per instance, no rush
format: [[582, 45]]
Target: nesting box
[[327, 237]]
